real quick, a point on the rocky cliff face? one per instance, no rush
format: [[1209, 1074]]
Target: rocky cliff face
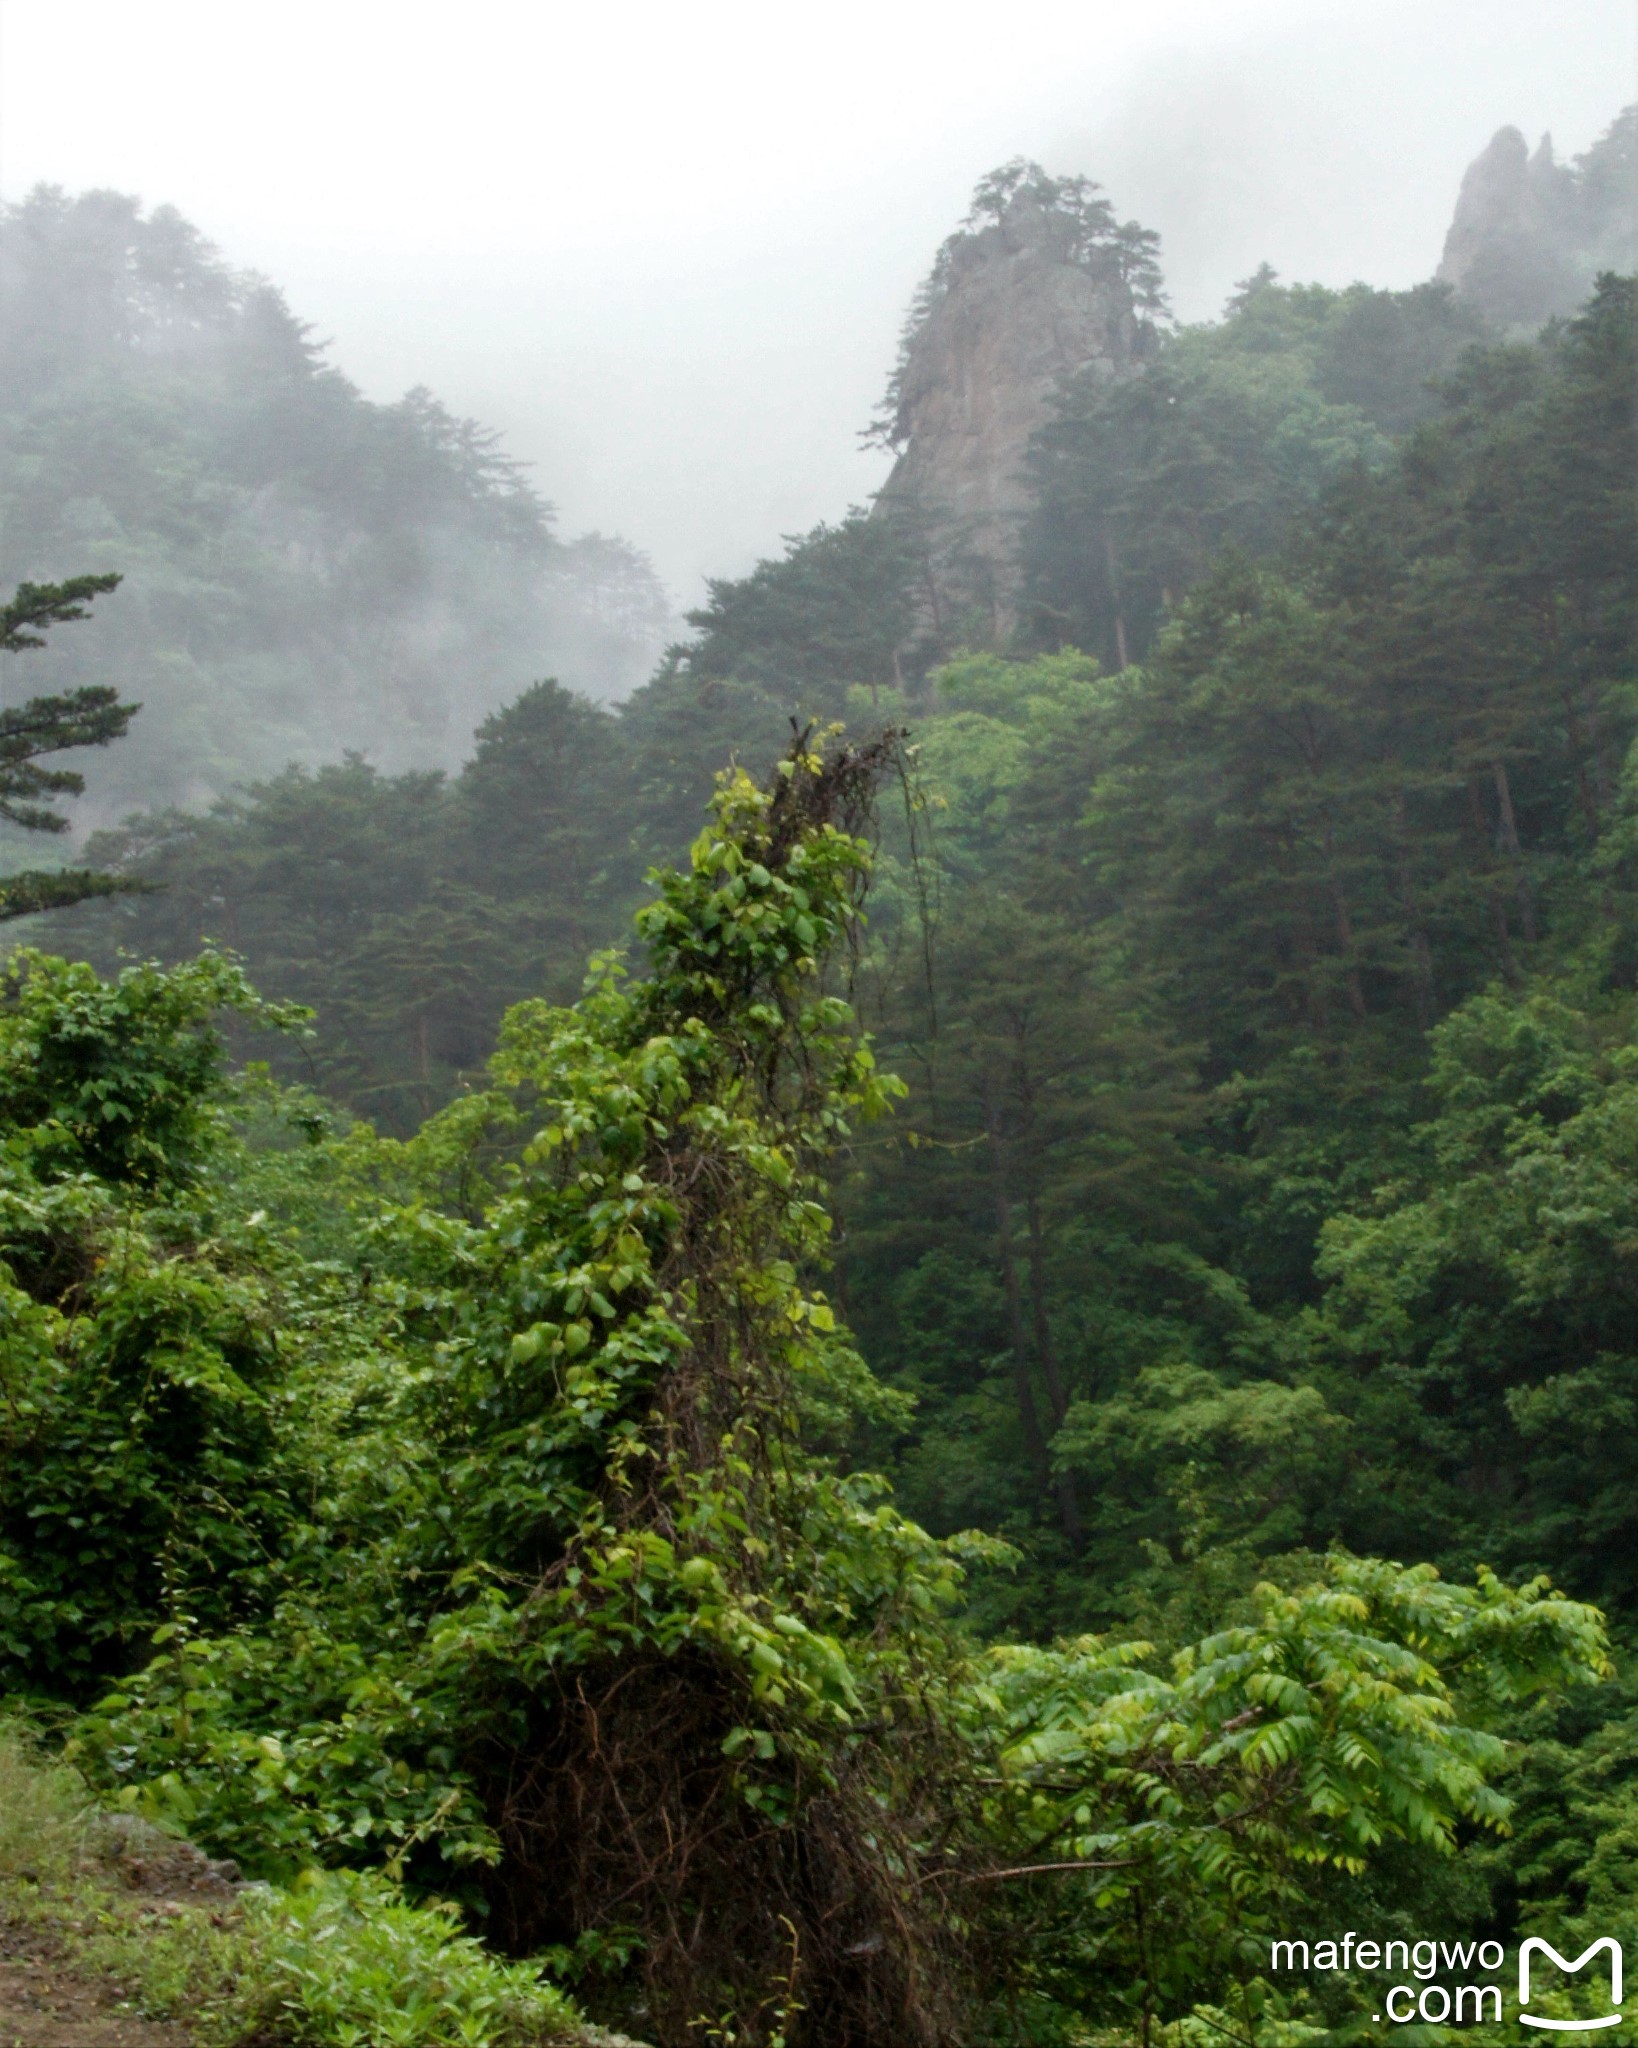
[[1044, 289], [1530, 234]]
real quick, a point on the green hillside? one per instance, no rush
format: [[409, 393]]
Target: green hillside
[[1027, 1385]]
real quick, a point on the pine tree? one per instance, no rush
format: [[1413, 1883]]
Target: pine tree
[[89, 717]]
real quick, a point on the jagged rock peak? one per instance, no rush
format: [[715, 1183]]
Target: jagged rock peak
[[1039, 283], [1529, 234]]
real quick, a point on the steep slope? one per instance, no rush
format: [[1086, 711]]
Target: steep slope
[[1037, 285]]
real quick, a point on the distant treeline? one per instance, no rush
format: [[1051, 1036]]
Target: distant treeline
[[305, 571]]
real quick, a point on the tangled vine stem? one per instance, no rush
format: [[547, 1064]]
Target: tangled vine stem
[[758, 1843]]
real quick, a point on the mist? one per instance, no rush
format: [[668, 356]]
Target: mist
[[815, 1236], [667, 254]]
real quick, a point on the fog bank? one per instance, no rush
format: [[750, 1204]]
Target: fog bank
[[668, 254]]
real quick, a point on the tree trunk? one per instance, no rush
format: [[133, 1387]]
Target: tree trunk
[[1586, 795], [1028, 1414], [1421, 951], [1603, 790], [1510, 839], [1308, 953], [1498, 909], [1344, 930], [934, 606], [1112, 569], [1069, 1508]]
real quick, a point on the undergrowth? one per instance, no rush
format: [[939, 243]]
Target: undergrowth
[[45, 1815], [333, 1961]]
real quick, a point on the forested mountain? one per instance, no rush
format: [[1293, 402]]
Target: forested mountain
[[1231, 1219], [1240, 942], [305, 571]]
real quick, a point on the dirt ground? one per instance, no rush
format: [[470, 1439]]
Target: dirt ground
[[43, 2004], [46, 2003]]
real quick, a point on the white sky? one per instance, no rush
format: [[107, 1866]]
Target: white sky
[[666, 247]]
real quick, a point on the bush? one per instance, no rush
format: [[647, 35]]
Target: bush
[[335, 1961]]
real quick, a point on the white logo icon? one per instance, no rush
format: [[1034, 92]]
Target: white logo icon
[[1535, 1944]]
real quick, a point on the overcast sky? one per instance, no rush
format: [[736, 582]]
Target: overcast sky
[[666, 248]]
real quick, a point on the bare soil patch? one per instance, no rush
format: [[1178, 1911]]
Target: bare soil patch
[[45, 2004]]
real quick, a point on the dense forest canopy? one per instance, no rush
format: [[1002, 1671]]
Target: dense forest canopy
[[934, 1466], [1228, 439]]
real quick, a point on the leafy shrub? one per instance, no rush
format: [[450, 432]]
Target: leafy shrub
[[336, 1961]]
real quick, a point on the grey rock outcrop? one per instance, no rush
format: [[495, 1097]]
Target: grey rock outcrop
[[1530, 234], [1016, 307]]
